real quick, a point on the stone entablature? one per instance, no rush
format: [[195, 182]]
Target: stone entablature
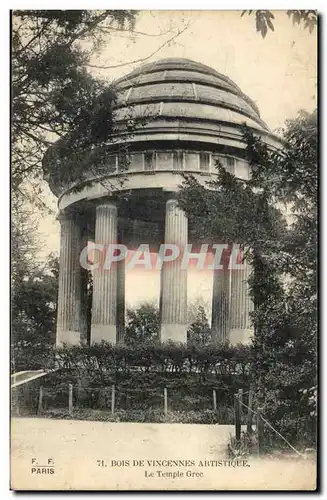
[[177, 159], [152, 169]]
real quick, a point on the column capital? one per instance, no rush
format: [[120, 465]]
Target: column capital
[[173, 207], [171, 200], [105, 203], [64, 215], [69, 215]]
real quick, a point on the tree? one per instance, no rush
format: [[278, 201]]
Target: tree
[[56, 98], [300, 185], [52, 92], [24, 239], [284, 318], [264, 19], [33, 292], [34, 316], [292, 179], [291, 333], [193, 308], [199, 330], [143, 324]]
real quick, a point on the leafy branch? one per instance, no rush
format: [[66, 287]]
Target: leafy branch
[[264, 19]]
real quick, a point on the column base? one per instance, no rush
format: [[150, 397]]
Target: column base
[[217, 336], [103, 332], [120, 334], [67, 337], [173, 332], [240, 336]]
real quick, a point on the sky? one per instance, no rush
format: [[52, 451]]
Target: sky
[[279, 73]]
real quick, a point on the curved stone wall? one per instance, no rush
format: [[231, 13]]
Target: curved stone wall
[[150, 169]]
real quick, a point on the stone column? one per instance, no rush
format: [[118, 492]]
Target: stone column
[[220, 305], [69, 290], [220, 300], [104, 300], [84, 284], [121, 294], [240, 306], [173, 294]]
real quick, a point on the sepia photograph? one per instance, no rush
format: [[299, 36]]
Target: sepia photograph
[[164, 239]]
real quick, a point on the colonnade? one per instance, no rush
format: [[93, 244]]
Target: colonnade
[[230, 304]]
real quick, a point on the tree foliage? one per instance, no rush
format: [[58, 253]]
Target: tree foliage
[[250, 213], [53, 96], [34, 299], [143, 324], [52, 91], [33, 291], [199, 331], [264, 19]]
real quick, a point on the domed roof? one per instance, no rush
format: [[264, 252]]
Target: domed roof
[[184, 89], [173, 104]]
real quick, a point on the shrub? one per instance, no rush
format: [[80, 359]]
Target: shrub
[[141, 416], [100, 359], [243, 448]]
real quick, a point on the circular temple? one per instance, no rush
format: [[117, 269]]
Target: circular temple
[[170, 117]]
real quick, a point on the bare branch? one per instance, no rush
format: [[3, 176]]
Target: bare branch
[[142, 59], [133, 32], [38, 35]]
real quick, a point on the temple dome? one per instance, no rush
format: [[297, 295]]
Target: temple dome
[[174, 114], [182, 89]]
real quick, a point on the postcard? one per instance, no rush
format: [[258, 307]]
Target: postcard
[[164, 250]]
